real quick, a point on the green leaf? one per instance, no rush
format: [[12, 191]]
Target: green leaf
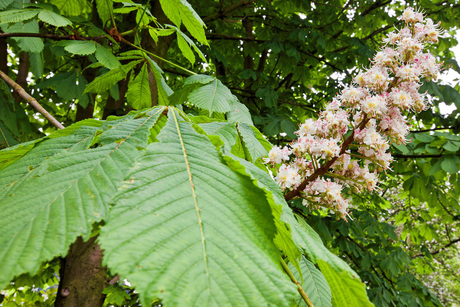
[[424, 137], [180, 11], [185, 48], [254, 142], [5, 3], [283, 238], [214, 97], [72, 8], [450, 164], [105, 10], [106, 58], [239, 112], [209, 229], [138, 93], [26, 44], [314, 284], [226, 131], [49, 205], [310, 242], [346, 290], [104, 82], [80, 47], [53, 19], [185, 43], [36, 64], [15, 16], [449, 146], [65, 85], [201, 79]]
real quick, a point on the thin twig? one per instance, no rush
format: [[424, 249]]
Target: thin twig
[[31, 100]]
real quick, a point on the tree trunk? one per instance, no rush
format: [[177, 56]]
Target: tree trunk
[[82, 276]]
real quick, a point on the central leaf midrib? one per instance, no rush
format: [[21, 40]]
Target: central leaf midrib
[[192, 187]]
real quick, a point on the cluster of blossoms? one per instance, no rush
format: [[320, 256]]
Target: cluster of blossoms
[[348, 144]]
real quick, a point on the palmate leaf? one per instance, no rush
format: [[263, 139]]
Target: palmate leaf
[[314, 284], [189, 230], [49, 200]]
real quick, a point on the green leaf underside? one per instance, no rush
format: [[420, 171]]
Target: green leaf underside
[[53, 19], [14, 16], [43, 204], [190, 231], [314, 285], [283, 239], [80, 47], [346, 290], [214, 97]]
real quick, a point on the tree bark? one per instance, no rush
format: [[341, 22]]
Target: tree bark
[[23, 72], [82, 276]]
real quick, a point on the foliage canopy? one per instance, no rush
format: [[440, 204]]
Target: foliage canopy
[[169, 108]]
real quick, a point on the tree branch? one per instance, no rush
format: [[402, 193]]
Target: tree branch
[[235, 38], [31, 100], [433, 129], [325, 167], [420, 156], [51, 36], [451, 242], [227, 10]]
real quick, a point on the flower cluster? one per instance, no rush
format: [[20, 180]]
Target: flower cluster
[[348, 144]]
